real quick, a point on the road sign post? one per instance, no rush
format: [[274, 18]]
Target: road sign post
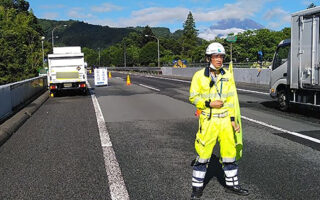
[[231, 39]]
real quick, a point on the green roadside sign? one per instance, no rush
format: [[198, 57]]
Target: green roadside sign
[[231, 38]]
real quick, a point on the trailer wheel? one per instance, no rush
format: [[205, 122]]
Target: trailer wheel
[[283, 100]]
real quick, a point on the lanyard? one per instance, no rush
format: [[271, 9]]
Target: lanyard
[[215, 84], [219, 92]]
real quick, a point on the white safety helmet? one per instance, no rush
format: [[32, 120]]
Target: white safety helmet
[[215, 48]]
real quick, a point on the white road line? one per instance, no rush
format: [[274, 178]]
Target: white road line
[[117, 187], [152, 88], [172, 79], [282, 130], [251, 91], [184, 81]]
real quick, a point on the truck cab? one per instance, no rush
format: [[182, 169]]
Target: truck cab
[[279, 74]]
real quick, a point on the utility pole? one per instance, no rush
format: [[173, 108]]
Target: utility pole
[[42, 40], [158, 48], [231, 39], [99, 56], [124, 54], [52, 33]]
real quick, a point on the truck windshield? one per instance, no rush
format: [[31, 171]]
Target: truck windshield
[[281, 56]]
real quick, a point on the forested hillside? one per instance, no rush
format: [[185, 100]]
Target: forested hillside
[[78, 33], [83, 34]]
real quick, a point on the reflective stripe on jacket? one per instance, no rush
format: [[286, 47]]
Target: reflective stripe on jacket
[[201, 92]]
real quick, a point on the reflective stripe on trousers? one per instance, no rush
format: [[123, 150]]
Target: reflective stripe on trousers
[[231, 174], [198, 174]]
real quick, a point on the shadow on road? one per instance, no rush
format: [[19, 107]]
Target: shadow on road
[[70, 93], [307, 111], [214, 170]]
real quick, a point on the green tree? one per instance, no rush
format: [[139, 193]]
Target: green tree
[[149, 54], [91, 56], [116, 54], [135, 39], [189, 37], [19, 5], [147, 31], [133, 55], [20, 49]]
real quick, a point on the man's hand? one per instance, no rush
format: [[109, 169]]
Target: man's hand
[[216, 104], [236, 127]]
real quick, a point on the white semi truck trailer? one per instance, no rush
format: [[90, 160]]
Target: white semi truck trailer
[[66, 70], [295, 74]]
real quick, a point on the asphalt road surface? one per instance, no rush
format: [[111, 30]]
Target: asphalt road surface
[[57, 153]]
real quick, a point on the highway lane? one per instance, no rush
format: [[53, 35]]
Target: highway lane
[[57, 153], [153, 133], [255, 104]]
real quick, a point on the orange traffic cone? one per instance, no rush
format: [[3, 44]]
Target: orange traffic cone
[[128, 80], [110, 75]]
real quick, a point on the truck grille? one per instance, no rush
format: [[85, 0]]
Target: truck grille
[[67, 75]]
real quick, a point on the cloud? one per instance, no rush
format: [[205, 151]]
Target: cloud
[[155, 16], [106, 7], [56, 6], [241, 9], [78, 13], [276, 12], [200, 1], [210, 34], [50, 15], [277, 17], [149, 16]]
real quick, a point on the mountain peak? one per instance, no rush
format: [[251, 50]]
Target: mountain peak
[[224, 27], [244, 24]]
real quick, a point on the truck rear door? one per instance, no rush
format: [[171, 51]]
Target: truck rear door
[[309, 51]]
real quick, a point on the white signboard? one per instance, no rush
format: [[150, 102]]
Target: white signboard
[[101, 76]]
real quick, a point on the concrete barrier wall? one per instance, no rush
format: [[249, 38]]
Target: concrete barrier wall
[[244, 75], [5, 100], [16, 94]]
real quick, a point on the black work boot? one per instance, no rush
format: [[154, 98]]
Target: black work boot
[[237, 190], [196, 193]]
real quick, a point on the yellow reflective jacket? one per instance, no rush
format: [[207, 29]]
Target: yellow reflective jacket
[[201, 92]]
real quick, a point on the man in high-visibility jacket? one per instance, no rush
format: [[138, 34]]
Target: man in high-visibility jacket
[[213, 92]]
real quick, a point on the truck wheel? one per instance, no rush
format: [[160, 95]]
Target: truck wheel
[[283, 100], [85, 92]]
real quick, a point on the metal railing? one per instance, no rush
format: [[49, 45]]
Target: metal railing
[[156, 70], [146, 68], [13, 96]]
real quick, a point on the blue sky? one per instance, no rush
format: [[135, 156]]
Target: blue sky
[[273, 14]]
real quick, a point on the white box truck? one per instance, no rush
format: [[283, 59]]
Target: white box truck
[[66, 70], [295, 74]]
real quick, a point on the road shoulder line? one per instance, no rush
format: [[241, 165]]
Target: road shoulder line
[[118, 190], [282, 130]]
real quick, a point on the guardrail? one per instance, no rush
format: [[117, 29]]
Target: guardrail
[[14, 96], [137, 69], [238, 65], [241, 74]]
